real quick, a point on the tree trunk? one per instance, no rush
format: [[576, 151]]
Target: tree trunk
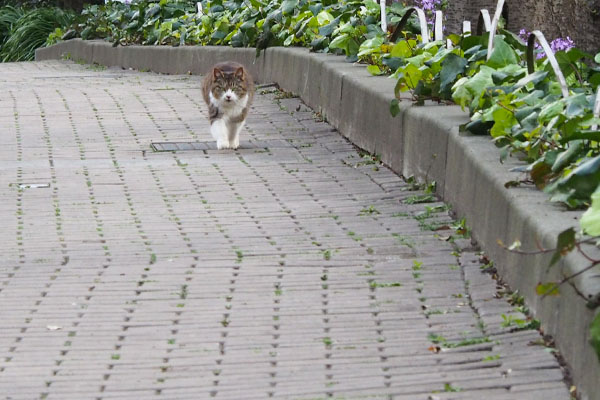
[[578, 19], [558, 18]]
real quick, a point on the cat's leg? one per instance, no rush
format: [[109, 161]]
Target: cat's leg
[[234, 133], [218, 130]]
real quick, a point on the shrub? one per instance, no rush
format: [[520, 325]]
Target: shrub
[[22, 31]]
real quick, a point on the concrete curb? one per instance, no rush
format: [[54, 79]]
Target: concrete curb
[[420, 141]]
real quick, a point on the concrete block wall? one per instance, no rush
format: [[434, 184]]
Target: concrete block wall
[[420, 141]]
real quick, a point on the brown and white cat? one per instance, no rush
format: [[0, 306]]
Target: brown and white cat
[[228, 91]]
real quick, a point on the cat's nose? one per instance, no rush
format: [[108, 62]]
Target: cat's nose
[[228, 97]]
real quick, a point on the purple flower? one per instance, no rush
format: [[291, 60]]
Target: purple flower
[[523, 34], [428, 5], [558, 44]]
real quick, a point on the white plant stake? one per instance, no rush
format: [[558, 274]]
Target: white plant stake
[[467, 28], [550, 54], [487, 21], [383, 17], [494, 26], [596, 109], [200, 11], [439, 26], [423, 23]]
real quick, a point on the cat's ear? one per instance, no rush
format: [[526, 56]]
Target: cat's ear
[[239, 73], [217, 73]]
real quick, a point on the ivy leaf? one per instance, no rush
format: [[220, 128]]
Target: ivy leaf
[[374, 70], [340, 42], [502, 55], [514, 40], [452, 66], [318, 44], [394, 107], [324, 18], [248, 24], [151, 12], [477, 127], [540, 170], [329, 28], [590, 220], [401, 49], [504, 121], [460, 93], [595, 330], [564, 245], [288, 41], [412, 75], [287, 7], [372, 6], [595, 80], [370, 46], [576, 105], [534, 78], [471, 45], [565, 158], [218, 35], [315, 8], [579, 184], [467, 89], [547, 289], [393, 62], [575, 54], [583, 135], [551, 110]]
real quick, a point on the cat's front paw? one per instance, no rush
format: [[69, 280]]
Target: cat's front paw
[[235, 143], [222, 144]]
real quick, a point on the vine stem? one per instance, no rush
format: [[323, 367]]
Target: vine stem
[[584, 254], [544, 251], [570, 277], [523, 252]]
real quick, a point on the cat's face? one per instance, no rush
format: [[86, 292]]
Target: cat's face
[[228, 86]]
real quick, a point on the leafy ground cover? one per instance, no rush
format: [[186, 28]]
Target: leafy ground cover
[[525, 111], [239, 23]]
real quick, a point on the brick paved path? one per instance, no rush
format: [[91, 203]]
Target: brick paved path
[[293, 268]]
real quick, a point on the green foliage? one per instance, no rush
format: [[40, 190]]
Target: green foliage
[[527, 116], [443, 342], [23, 30], [547, 289], [9, 16], [590, 220], [342, 27], [564, 245], [519, 324]]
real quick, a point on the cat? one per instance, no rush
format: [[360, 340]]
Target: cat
[[228, 91]]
